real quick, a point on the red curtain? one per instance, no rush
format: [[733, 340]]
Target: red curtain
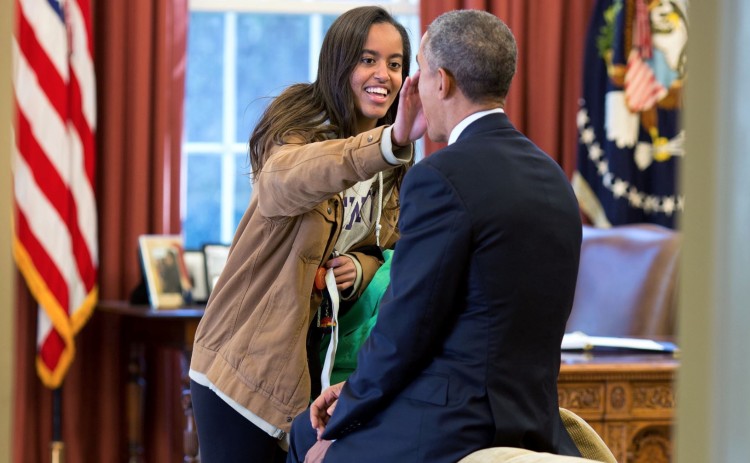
[[140, 67], [543, 97]]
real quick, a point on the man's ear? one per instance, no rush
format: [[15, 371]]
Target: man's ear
[[445, 84]]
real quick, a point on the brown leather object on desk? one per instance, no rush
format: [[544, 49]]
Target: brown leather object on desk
[[627, 281], [627, 398]]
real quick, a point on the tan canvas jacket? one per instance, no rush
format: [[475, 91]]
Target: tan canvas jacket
[[250, 342]]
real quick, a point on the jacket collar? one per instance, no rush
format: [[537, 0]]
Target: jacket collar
[[466, 121], [486, 123]]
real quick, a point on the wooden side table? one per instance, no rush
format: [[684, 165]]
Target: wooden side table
[[628, 399], [143, 327]]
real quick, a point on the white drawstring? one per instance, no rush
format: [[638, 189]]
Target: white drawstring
[[380, 208], [325, 375]]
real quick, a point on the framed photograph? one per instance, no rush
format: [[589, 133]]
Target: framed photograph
[[195, 261], [216, 258], [166, 275]]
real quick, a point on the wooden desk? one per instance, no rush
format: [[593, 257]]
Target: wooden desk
[[144, 327], [628, 399]]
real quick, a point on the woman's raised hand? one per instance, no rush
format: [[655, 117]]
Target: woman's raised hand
[[410, 124]]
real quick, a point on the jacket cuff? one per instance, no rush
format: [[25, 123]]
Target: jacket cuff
[[402, 155]]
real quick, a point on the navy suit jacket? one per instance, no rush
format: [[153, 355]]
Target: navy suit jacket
[[466, 351]]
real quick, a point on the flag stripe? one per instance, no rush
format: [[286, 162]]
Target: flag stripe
[[43, 326], [53, 86], [82, 66], [85, 147], [83, 193], [49, 30], [52, 346]]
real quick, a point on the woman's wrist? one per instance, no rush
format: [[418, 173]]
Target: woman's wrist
[[394, 155], [395, 143]]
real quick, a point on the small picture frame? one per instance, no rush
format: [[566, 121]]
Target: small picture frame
[[216, 258], [195, 262], [165, 272]]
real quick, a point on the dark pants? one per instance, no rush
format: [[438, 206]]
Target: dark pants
[[303, 437], [225, 436]]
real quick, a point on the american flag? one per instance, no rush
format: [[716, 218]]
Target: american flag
[[55, 230], [642, 90]]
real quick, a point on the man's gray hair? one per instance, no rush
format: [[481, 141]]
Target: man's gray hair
[[476, 48]]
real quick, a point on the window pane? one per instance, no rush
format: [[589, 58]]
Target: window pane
[[272, 53], [328, 19], [203, 200], [203, 81]]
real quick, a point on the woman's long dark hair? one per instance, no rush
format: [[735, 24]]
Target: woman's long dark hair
[[325, 108]]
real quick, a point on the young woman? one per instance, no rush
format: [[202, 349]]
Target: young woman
[[327, 161]]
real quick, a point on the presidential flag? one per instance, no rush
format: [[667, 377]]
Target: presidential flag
[[54, 223], [630, 139]]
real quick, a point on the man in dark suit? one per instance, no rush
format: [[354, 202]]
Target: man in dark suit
[[466, 350]]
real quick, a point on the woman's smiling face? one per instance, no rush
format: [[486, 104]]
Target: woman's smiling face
[[377, 78]]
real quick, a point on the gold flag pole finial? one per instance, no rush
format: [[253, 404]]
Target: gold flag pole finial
[[57, 450]]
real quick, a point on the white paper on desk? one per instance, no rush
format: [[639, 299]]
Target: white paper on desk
[[581, 341]]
